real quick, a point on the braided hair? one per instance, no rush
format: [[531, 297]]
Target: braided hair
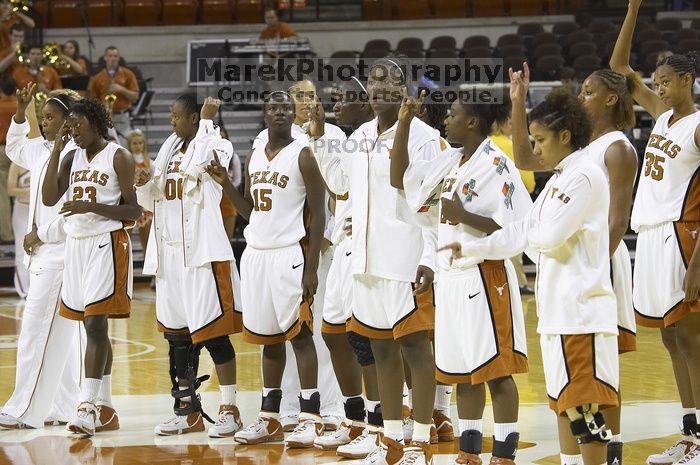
[[95, 112], [562, 111], [623, 113]]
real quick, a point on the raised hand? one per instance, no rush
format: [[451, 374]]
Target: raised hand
[[142, 177], [411, 106], [317, 120], [519, 83], [210, 108], [24, 96], [63, 137], [217, 172]]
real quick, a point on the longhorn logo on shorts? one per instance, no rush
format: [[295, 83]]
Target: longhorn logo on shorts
[[500, 164], [501, 289], [508, 189], [468, 190]]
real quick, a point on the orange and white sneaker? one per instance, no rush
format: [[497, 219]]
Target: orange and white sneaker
[[465, 458], [389, 452], [10, 422], [191, 423], [50, 421], [417, 453], [107, 419], [673, 454], [85, 420], [228, 423], [443, 426], [263, 430], [344, 434], [362, 446], [692, 457], [309, 429]]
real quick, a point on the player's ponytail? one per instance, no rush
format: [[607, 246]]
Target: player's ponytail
[[562, 111], [623, 112]]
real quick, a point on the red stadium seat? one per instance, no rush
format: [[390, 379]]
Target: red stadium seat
[[415, 9], [63, 13], [481, 8], [218, 11], [180, 12], [141, 12], [249, 11], [449, 8], [376, 10], [102, 13]]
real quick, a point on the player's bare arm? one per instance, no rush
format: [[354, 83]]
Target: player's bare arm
[[525, 158], [56, 181], [620, 63], [691, 282], [621, 161], [453, 211], [410, 107], [129, 209], [315, 197]]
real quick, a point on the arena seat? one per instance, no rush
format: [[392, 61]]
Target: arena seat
[[695, 24], [582, 48], [509, 39], [180, 12], [374, 53], [415, 9], [481, 8], [66, 13], [669, 24], [218, 11], [653, 46], [688, 45], [565, 28], [525, 7], [477, 52], [683, 34], [476, 41], [442, 42], [578, 36], [530, 29], [101, 13], [586, 64], [410, 43], [511, 50], [377, 44], [376, 10], [645, 35], [141, 12], [449, 8], [600, 26], [443, 53], [249, 11], [544, 38], [515, 62], [546, 49], [547, 67], [413, 53]]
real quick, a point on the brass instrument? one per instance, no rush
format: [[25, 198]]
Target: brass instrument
[[40, 96], [110, 98], [52, 56], [21, 6], [21, 53]]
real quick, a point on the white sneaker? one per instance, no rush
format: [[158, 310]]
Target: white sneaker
[[84, 422], [306, 432], [417, 454], [376, 457], [289, 422], [263, 430], [388, 452], [51, 421], [228, 423], [191, 423], [692, 457], [10, 422], [360, 447], [673, 454], [331, 422], [342, 435], [407, 424]]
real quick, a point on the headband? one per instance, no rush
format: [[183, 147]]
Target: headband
[[59, 101], [397, 67], [359, 83]]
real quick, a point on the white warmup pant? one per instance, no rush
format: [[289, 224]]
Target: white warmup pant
[[331, 399], [20, 214], [49, 356]]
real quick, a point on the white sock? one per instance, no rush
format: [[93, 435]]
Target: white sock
[[228, 394], [475, 425], [571, 459], [406, 395], [502, 430], [697, 417], [393, 429], [307, 393], [410, 398], [443, 396], [421, 432], [187, 399], [617, 438], [105, 395], [90, 390], [371, 405]]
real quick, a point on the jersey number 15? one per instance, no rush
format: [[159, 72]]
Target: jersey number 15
[[261, 200]]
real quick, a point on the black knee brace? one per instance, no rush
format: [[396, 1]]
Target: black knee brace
[[220, 349], [362, 349], [184, 362], [690, 425], [588, 425]]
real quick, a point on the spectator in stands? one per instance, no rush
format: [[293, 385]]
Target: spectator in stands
[[45, 77], [567, 76], [8, 106], [118, 81], [9, 58], [276, 29], [71, 55], [9, 18]]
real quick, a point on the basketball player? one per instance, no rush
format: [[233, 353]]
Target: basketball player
[[278, 277], [606, 97], [191, 257], [567, 230], [480, 194], [393, 278], [666, 216], [350, 353], [97, 278], [49, 346]]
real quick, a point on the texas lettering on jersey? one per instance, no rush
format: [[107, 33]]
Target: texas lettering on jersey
[[89, 176], [562, 196], [269, 177], [665, 145]]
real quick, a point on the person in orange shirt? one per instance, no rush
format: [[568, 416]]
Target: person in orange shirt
[[8, 106], [8, 18], [9, 62], [121, 82], [276, 29], [71, 55], [45, 77]]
